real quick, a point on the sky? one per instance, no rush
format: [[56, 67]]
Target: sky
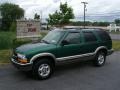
[[96, 9]]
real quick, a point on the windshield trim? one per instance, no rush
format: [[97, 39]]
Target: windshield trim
[[44, 41]]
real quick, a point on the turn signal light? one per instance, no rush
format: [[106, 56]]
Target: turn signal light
[[22, 61]]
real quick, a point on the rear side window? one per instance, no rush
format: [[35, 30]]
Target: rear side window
[[89, 37], [103, 35], [73, 38]]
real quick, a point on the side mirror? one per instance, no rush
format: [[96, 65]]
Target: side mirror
[[64, 42]]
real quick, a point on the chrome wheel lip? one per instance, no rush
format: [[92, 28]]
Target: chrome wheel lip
[[44, 70], [101, 59]]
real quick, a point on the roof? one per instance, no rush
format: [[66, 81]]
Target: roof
[[77, 30]]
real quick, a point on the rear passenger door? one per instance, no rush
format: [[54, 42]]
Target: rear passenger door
[[90, 42]]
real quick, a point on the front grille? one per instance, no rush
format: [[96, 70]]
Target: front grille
[[15, 57]]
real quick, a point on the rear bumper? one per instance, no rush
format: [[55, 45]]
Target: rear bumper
[[22, 67], [110, 51]]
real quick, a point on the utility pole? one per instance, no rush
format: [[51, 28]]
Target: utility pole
[[41, 19], [41, 16], [84, 11]]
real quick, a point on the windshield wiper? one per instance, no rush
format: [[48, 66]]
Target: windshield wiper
[[45, 41]]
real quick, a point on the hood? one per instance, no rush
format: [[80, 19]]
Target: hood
[[36, 47]]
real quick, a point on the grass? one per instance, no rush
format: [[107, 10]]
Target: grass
[[6, 42], [116, 45], [5, 56]]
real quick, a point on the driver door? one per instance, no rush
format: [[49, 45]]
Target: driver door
[[73, 46]]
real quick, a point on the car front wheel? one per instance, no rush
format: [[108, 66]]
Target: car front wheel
[[43, 69]]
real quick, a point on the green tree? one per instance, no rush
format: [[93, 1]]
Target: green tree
[[36, 16], [100, 23], [10, 12], [62, 16], [117, 21]]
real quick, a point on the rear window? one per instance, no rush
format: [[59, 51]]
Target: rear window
[[103, 35], [89, 37]]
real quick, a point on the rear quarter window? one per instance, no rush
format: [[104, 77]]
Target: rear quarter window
[[103, 35]]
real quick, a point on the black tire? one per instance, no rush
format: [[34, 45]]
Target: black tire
[[38, 69], [100, 59]]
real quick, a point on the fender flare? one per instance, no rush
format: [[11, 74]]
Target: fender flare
[[99, 48], [42, 55]]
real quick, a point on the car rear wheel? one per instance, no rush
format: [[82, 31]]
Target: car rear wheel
[[100, 59], [43, 69]]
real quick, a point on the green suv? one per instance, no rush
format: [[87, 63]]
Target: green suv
[[62, 45]]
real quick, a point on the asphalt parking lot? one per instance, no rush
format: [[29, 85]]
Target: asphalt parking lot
[[75, 76]]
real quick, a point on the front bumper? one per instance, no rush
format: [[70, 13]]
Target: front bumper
[[22, 67], [110, 51]]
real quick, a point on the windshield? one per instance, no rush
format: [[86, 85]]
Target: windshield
[[53, 37]]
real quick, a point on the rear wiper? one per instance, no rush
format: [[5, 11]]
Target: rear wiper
[[45, 41]]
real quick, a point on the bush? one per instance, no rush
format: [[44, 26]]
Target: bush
[[13, 27], [6, 40]]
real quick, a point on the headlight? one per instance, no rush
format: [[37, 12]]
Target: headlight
[[21, 56]]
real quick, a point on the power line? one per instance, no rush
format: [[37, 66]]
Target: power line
[[112, 14]]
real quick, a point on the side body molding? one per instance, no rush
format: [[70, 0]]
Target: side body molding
[[41, 55], [92, 54], [65, 58]]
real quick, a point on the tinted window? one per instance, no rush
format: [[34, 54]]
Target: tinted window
[[89, 37], [103, 35], [73, 38]]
